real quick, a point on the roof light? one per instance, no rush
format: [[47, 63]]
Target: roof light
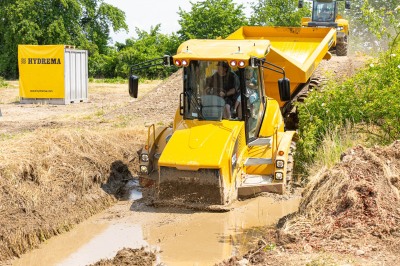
[[185, 63], [242, 63], [233, 63], [178, 62]]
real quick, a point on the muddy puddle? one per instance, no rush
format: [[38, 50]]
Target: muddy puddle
[[184, 237]]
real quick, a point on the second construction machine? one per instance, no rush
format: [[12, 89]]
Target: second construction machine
[[228, 137], [325, 14]]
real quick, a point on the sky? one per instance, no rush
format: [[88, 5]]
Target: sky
[[144, 14]]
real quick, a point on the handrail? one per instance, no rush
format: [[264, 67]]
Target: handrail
[[148, 135]]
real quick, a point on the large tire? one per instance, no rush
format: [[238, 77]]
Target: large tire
[[341, 49]]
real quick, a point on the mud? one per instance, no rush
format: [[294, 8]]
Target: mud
[[174, 236]]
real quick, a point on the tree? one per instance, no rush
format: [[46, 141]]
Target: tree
[[83, 23], [278, 13], [210, 19]]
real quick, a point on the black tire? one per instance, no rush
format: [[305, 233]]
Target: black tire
[[341, 49]]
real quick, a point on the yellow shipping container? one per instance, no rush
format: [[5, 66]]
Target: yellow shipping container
[[53, 74]]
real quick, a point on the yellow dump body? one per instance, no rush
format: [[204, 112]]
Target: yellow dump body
[[298, 50]]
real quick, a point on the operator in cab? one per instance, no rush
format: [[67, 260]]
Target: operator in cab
[[225, 84]]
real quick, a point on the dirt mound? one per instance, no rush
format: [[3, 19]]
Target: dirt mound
[[350, 213], [357, 199], [129, 256], [53, 179]]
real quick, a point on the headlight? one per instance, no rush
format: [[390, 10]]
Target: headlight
[[278, 175], [280, 163], [339, 28], [144, 157], [143, 169]]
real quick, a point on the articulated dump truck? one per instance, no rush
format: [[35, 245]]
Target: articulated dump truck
[[228, 137]]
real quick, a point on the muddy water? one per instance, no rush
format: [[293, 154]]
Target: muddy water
[[184, 237]]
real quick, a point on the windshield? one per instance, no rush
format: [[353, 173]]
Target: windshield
[[210, 87], [213, 91], [324, 11]]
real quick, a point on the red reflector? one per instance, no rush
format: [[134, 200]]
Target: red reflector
[[281, 153]]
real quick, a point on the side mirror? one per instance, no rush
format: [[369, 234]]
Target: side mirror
[[284, 89], [300, 4], [347, 4], [133, 86]]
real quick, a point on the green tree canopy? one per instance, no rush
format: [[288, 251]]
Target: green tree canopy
[[147, 46], [278, 13], [210, 19], [83, 23]]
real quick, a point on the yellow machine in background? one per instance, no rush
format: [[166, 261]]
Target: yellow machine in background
[[325, 15], [211, 156]]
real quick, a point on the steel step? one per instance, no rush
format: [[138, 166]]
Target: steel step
[[257, 161], [254, 184], [256, 180], [260, 142]]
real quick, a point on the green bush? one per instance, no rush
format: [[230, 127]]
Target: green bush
[[371, 96]]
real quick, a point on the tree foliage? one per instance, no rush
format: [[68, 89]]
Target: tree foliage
[[210, 19], [147, 46], [82, 23], [278, 13]]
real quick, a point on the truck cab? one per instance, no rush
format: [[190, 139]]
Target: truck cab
[[202, 99]]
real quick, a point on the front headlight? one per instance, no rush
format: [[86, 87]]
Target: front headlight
[[144, 157], [280, 163], [339, 28], [143, 169], [278, 175]]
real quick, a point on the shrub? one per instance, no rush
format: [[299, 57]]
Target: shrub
[[371, 96]]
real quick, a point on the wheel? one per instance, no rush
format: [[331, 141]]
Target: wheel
[[341, 49]]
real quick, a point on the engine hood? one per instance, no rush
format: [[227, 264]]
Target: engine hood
[[199, 144]]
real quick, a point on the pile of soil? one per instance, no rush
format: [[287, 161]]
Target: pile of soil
[[129, 256], [357, 199], [350, 212]]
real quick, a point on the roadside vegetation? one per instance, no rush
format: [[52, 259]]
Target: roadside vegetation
[[362, 109]]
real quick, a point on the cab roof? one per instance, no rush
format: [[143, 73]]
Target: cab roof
[[197, 49]]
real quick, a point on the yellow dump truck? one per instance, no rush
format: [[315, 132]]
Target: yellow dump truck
[[228, 138]]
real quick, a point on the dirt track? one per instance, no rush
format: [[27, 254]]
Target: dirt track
[[45, 190]]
